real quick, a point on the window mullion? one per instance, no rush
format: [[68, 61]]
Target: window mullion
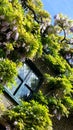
[[25, 79]]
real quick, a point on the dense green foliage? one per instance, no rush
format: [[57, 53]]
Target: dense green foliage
[[59, 85], [26, 32], [19, 36], [7, 70], [20, 29], [60, 88], [29, 116]]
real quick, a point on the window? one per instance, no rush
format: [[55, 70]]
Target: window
[[28, 81]]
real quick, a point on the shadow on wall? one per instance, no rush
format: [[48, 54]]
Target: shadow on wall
[[63, 124], [4, 125]]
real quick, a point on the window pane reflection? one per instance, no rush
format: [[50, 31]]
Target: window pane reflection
[[23, 71], [33, 81], [13, 87], [23, 92]]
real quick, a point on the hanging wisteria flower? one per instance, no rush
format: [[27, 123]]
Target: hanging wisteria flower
[[8, 35], [15, 123], [57, 17], [0, 43], [2, 16], [71, 41], [16, 36], [66, 23], [4, 23], [14, 28], [55, 111], [23, 45], [71, 29], [27, 48], [13, 22], [61, 20], [59, 116], [3, 29]]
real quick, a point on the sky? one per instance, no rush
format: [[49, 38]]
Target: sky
[[59, 6]]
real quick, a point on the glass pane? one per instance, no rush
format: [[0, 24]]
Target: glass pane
[[33, 81], [13, 87], [23, 92], [23, 71]]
